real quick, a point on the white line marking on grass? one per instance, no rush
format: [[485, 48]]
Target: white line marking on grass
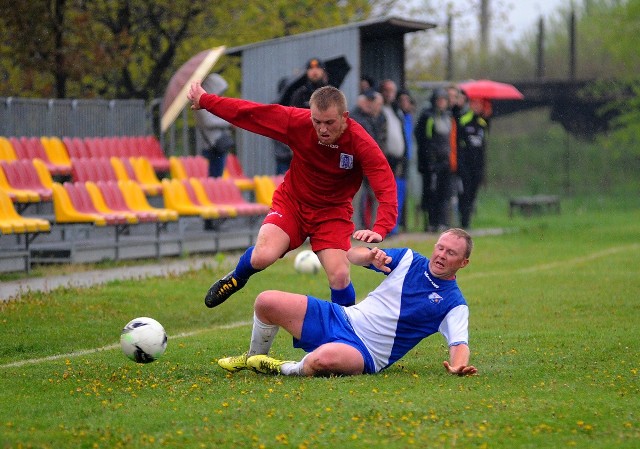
[[561, 263], [117, 345]]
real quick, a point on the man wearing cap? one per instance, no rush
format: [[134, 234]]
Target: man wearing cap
[[316, 77]]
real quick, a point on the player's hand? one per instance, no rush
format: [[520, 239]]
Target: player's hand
[[460, 370], [379, 259], [367, 236], [194, 94]]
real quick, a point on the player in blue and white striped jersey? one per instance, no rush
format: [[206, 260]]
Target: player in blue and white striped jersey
[[418, 298]]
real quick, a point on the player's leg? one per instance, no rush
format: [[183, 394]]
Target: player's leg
[[271, 243], [272, 310], [331, 239], [336, 265], [333, 358]]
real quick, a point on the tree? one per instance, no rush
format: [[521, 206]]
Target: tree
[[130, 48]]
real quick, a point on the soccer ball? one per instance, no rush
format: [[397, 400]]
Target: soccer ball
[[143, 340], [307, 262]]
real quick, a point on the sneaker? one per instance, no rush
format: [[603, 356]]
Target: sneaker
[[222, 289], [265, 364], [233, 364]]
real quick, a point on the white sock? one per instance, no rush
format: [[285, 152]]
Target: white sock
[[293, 368], [262, 336]]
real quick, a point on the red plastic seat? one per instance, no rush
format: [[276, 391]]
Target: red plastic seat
[[81, 200], [115, 200], [226, 192], [22, 175]]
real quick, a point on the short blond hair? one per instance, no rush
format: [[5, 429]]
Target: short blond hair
[[328, 96]]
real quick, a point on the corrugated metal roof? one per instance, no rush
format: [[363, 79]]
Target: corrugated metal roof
[[381, 26]]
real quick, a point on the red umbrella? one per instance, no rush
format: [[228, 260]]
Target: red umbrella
[[491, 90], [175, 96]]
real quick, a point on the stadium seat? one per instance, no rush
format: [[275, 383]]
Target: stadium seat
[[195, 188], [146, 175], [176, 198], [97, 147], [32, 148], [13, 223], [65, 210], [233, 170], [17, 195], [22, 175], [102, 203], [122, 169], [115, 202], [225, 192], [185, 167], [76, 148], [136, 200], [57, 152], [92, 169], [82, 201], [264, 187], [7, 153], [149, 147]]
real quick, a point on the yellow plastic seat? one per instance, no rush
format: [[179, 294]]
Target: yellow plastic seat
[[9, 216], [65, 212], [137, 200], [176, 197]]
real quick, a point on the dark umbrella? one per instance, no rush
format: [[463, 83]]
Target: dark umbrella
[[336, 68], [490, 90]]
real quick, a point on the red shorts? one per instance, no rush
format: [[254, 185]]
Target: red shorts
[[327, 227]]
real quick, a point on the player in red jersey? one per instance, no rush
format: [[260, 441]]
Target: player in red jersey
[[331, 154]]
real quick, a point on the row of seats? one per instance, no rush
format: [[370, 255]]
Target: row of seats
[[137, 169], [105, 203], [49, 150], [57, 153]]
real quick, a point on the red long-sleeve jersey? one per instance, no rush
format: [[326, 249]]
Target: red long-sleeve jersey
[[319, 175]]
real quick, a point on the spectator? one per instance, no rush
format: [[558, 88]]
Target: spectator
[[366, 83], [316, 78], [395, 146], [436, 144], [407, 106], [214, 136], [331, 155], [282, 152], [368, 114], [472, 137], [418, 298]]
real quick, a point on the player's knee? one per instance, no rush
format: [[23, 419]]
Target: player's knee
[[262, 259], [339, 279], [329, 360], [266, 302]]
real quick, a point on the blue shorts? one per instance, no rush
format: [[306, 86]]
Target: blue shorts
[[326, 322]]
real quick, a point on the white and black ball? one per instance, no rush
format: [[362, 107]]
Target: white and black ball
[[143, 340]]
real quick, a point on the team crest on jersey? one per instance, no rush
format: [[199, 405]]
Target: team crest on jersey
[[346, 161], [435, 298]]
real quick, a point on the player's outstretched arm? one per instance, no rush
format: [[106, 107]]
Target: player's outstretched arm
[[458, 363], [363, 256], [367, 236]]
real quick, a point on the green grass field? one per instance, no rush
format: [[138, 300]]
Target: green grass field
[[554, 333]]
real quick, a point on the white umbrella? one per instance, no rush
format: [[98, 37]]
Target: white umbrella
[[195, 69]]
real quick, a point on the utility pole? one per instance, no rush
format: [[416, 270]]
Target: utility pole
[[483, 51], [572, 45], [449, 74], [540, 59]]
